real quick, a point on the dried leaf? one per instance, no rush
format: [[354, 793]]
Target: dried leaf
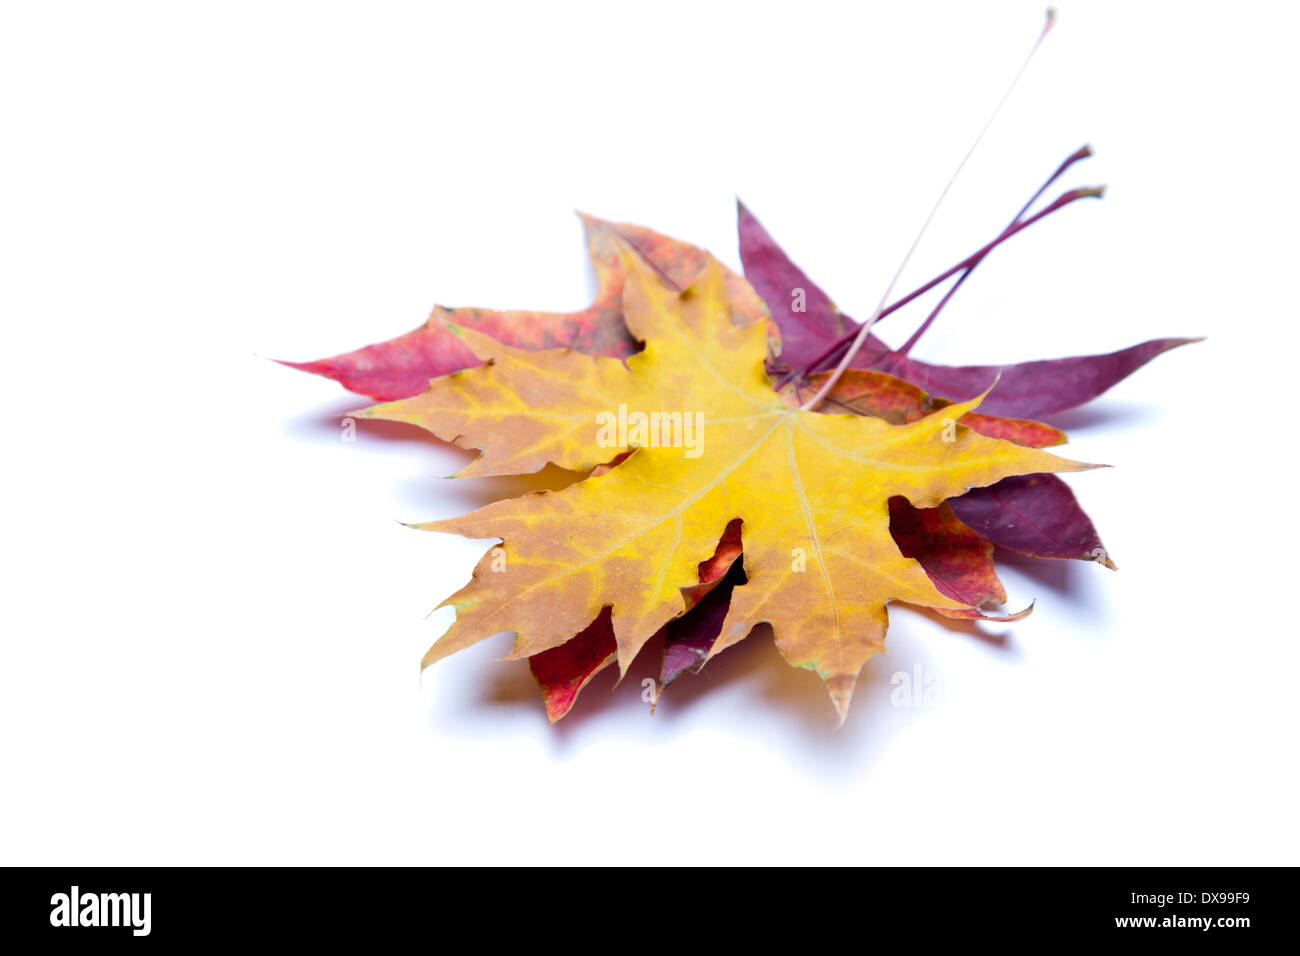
[[810, 489]]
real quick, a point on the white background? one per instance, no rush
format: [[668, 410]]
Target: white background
[[213, 621]]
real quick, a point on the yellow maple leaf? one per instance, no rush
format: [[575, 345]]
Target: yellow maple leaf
[[712, 442]]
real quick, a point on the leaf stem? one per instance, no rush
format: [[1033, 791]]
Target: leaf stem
[[1080, 154], [839, 344], [862, 333]]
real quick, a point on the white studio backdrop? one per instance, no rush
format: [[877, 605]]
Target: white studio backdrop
[[213, 618]]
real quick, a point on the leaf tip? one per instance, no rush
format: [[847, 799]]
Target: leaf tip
[[1009, 618], [1102, 557], [841, 691]]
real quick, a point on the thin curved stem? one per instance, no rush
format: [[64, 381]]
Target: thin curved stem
[[1080, 154], [861, 337], [839, 344]]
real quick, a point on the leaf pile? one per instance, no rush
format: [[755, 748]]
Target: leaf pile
[[743, 509]]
